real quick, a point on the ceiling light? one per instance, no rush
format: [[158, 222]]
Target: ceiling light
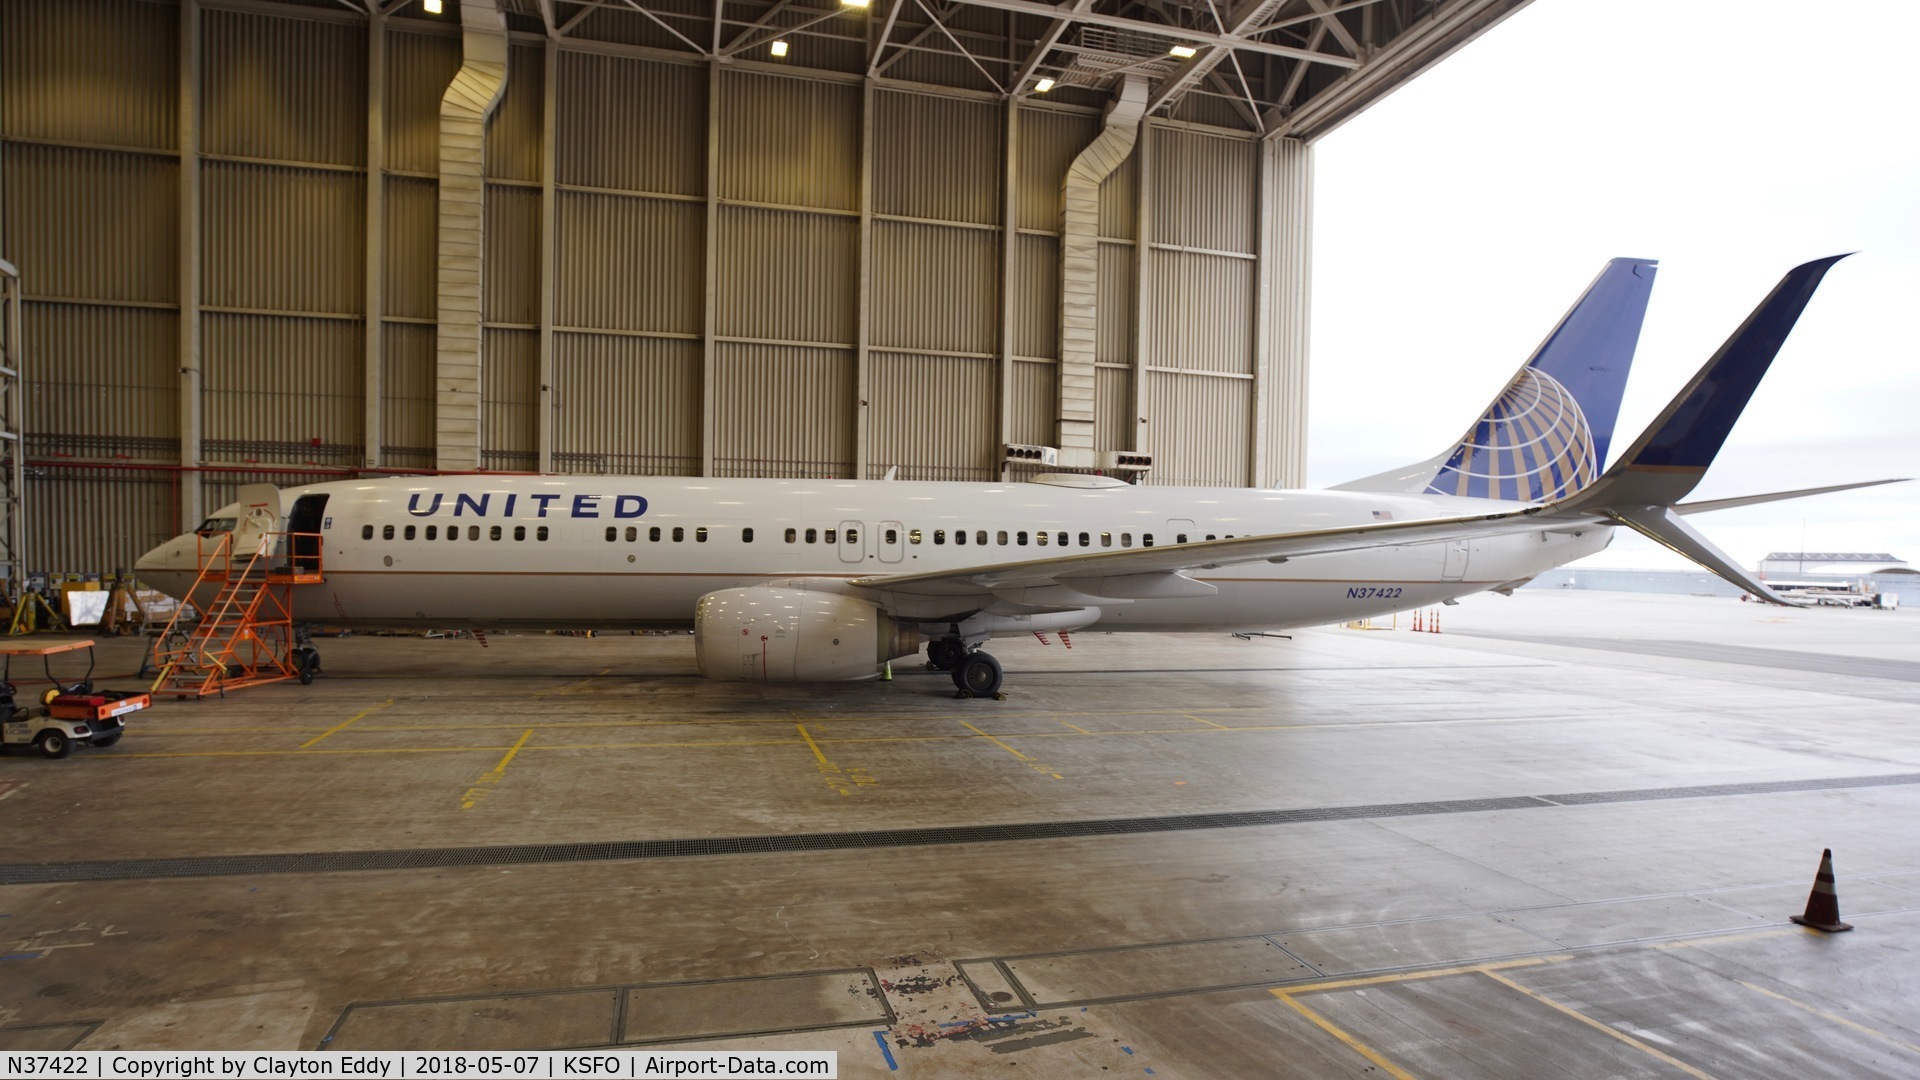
[[1182, 51], [1043, 86], [779, 48], [856, 3], [432, 6]]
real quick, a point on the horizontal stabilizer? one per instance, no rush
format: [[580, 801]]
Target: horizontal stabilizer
[[1668, 529], [1709, 505]]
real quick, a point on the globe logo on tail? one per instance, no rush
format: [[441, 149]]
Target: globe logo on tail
[[1533, 445]]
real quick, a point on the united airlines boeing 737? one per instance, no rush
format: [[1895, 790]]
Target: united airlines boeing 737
[[828, 580]]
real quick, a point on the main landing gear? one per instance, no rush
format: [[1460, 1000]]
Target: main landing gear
[[975, 674], [978, 674]]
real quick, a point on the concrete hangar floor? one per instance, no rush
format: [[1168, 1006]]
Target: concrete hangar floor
[[1560, 838]]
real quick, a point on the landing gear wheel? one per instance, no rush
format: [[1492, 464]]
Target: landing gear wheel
[[54, 744], [306, 664], [979, 675], [946, 653]]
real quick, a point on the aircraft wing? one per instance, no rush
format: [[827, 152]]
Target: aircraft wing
[[1153, 572]]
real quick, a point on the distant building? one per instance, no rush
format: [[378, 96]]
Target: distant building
[[1853, 563]]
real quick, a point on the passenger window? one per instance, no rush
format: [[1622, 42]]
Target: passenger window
[[366, 532], [813, 536], [913, 536], [746, 535], [960, 536], [473, 532], [1040, 538], [386, 532], [540, 533], [792, 535], [700, 534], [519, 532], [1106, 539], [980, 537], [853, 536], [633, 533], [1063, 539], [1021, 538], [893, 535], [1210, 536], [453, 532], [493, 533], [1180, 538], [1085, 540], [1126, 539], [833, 536], [1001, 538], [1146, 539], [613, 533], [679, 534], [433, 532], [653, 534], [939, 536], [409, 532]]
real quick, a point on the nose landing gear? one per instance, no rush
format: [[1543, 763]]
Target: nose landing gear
[[978, 675]]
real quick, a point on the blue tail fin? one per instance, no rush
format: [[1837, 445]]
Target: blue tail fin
[[1546, 435]]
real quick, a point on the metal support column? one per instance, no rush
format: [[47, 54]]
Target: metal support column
[[1142, 282], [863, 317], [374, 375], [549, 247], [1259, 472], [190, 417], [1009, 266], [1287, 246], [709, 438]]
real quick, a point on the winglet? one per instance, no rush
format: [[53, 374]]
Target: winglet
[[1670, 457]]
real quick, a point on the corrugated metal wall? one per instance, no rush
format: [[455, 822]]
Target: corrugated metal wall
[[699, 322]]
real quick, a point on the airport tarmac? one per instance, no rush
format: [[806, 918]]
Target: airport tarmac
[[1560, 837]]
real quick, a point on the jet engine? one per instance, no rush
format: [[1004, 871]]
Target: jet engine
[[769, 634]]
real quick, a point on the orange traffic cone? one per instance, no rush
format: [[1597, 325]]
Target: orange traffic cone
[[1823, 904]]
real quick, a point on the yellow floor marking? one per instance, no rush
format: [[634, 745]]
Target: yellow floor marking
[[1426, 973], [1077, 728], [1209, 723], [1720, 939], [343, 726], [1359, 1047], [1599, 1026], [477, 793], [1824, 1014], [842, 782], [1024, 759]]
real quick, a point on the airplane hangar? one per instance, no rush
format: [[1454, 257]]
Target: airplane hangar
[[278, 242]]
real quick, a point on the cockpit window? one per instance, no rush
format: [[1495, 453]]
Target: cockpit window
[[217, 525]]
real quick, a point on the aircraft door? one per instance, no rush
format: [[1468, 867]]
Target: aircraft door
[[305, 521], [1456, 567], [853, 541], [892, 543]]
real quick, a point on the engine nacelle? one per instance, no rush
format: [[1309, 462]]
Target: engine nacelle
[[769, 634]]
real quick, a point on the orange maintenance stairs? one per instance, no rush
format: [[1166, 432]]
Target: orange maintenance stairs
[[244, 636]]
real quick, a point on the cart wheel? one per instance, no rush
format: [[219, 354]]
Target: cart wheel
[[54, 744], [47, 695], [107, 740]]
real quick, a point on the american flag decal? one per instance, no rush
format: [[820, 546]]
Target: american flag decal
[[1383, 515]]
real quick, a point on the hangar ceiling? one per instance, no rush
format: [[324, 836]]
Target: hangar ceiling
[[1294, 68]]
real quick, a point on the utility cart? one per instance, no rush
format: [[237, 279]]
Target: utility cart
[[67, 714]]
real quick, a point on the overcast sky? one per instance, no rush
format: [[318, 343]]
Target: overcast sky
[[1457, 220]]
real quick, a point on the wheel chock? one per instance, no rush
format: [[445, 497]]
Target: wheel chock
[[1823, 904]]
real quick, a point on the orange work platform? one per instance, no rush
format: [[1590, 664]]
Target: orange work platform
[[244, 636]]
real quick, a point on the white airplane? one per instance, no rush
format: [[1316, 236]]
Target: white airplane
[[829, 580]]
